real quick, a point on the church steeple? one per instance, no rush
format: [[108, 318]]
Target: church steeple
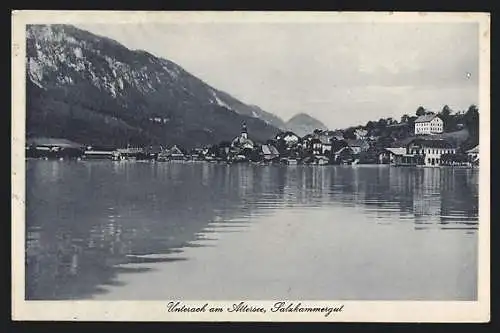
[[244, 133]]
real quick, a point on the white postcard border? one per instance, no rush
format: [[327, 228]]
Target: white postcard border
[[352, 311]]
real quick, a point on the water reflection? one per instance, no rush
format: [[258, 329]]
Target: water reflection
[[87, 221]]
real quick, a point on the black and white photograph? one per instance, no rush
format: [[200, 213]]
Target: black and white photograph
[[289, 159]]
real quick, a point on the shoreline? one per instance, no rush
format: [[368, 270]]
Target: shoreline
[[255, 163]]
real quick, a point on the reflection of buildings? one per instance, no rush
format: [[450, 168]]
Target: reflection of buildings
[[427, 194]]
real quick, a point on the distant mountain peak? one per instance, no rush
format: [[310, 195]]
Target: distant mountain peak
[[303, 124]]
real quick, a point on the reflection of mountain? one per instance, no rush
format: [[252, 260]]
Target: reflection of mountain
[[87, 221], [78, 233]]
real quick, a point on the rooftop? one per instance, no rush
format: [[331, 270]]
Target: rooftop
[[432, 143], [53, 142], [356, 142], [473, 150], [397, 151], [425, 118]]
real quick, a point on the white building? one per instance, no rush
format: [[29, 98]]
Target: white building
[[430, 151], [290, 139], [428, 124]]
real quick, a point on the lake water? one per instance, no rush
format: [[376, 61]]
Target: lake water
[[155, 231]]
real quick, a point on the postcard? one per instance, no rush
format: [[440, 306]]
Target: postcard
[[250, 166]]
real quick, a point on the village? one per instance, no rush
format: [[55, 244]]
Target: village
[[322, 147]]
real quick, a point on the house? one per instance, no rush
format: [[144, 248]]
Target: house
[[428, 152], [326, 138], [198, 153], [172, 154], [130, 152], [152, 152], [390, 155], [338, 134], [473, 155], [316, 146], [343, 156], [101, 153], [53, 148], [360, 133], [428, 124], [321, 160], [290, 139], [358, 146], [269, 152], [326, 148]]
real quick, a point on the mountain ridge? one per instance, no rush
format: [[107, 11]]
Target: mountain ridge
[[93, 89]]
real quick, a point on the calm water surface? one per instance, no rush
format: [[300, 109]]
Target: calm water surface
[[130, 230]]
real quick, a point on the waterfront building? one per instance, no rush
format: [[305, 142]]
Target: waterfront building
[[428, 152], [358, 146], [53, 148], [101, 153], [390, 155], [343, 156], [473, 155], [130, 152], [269, 152]]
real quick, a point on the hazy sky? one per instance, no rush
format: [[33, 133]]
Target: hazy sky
[[341, 73]]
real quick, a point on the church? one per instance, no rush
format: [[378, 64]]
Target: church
[[242, 141]]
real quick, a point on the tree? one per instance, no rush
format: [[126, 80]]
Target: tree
[[471, 118], [317, 131], [350, 133], [420, 111], [471, 121], [405, 118], [446, 111], [472, 110], [391, 121], [370, 125], [382, 122]]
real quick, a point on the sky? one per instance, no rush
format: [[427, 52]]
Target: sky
[[341, 73]]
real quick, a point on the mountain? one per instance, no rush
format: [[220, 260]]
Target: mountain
[[93, 90], [250, 110], [303, 124]]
